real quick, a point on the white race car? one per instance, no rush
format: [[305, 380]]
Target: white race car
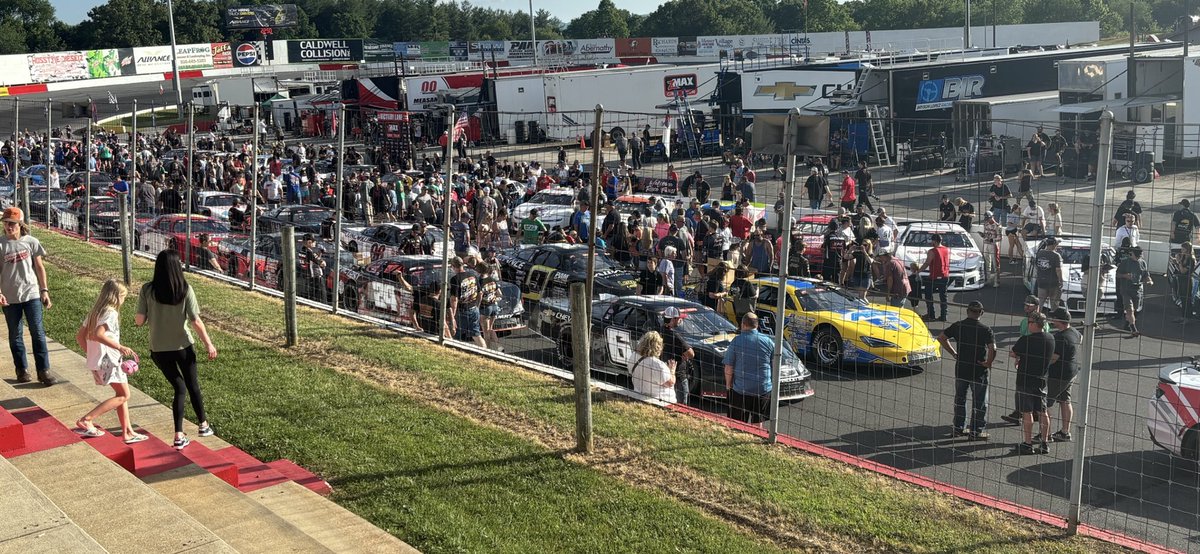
[[214, 204], [1075, 249], [387, 240], [1174, 412], [554, 206], [966, 260]]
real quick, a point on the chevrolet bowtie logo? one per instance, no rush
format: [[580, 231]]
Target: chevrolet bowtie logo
[[787, 90]]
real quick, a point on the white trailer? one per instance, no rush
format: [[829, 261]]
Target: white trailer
[[632, 97], [240, 91]]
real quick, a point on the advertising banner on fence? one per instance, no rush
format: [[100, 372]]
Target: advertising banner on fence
[[14, 70], [519, 50], [435, 49], [558, 50], [57, 66], [110, 62], [705, 46], [665, 187], [249, 54], [490, 49], [274, 16], [152, 59], [688, 46], [325, 50], [633, 47], [377, 51], [664, 46], [195, 56], [460, 50], [222, 55], [596, 49], [407, 50]]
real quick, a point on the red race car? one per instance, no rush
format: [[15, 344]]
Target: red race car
[[811, 229], [170, 232]]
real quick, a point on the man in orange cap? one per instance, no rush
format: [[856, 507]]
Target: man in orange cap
[[24, 294]]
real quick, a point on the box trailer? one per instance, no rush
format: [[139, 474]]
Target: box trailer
[[1015, 115], [240, 91]]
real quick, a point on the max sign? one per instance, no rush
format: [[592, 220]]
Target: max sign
[[936, 94], [680, 84]]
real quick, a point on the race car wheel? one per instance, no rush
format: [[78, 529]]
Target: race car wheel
[[1190, 447], [350, 298], [827, 346]]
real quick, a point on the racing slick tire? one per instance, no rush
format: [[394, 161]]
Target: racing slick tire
[[566, 347], [827, 346], [350, 298]]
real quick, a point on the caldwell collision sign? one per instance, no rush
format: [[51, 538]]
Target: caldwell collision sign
[[325, 50]]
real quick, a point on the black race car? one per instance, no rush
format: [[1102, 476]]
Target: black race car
[[547, 271], [618, 323], [306, 218], [373, 290], [234, 256]]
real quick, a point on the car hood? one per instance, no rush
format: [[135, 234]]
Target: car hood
[[960, 258], [902, 327]]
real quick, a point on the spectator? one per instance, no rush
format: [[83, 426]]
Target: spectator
[[1132, 275], [1025, 185], [1129, 206], [1033, 353], [1049, 264], [464, 304], [1033, 220], [966, 213], [715, 291], [973, 357], [676, 353], [866, 186], [651, 376], [858, 268], [1184, 223], [1064, 366], [1054, 220], [817, 188], [314, 265], [650, 281], [759, 253], [998, 195], [748, 373], [167, 303], [946, 210], [1128, 230], [24, 294], [666, 269], [100, 338], [1036, 149], [849, 191], [206, 258], [895, 282], [937, 261], [489, 302], [991, 250], [1185, 266], [739, 224], [1012, 230]]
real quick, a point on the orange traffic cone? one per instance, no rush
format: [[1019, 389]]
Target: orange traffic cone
[[582, 143]]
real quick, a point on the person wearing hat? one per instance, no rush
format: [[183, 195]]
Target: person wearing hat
[[1064, 367], [1049, 265], [463, 317], [1033, 353], [966, 213], [895, 279], [991, 235], [1129, 206], [1031, 308], [937, 262], [1185, 264], [974, 351], [24, 294], [676, 352], [1184, 223], [315, 266]]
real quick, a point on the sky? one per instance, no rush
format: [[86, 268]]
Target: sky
[[74, 11]]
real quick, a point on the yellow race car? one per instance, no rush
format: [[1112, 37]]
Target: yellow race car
[[832, 326]]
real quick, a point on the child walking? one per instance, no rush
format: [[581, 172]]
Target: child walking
[[100, 336]]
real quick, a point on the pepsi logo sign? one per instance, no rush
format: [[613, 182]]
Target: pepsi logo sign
[[246, 54]]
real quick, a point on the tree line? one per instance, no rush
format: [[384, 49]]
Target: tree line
[[32, 26]]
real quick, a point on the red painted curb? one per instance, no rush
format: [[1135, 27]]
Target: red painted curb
[[1034, 514], [17, 90]]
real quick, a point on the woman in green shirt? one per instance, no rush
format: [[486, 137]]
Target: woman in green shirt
[[167, 303]]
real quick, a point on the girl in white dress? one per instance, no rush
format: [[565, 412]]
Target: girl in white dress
[[100, 336]]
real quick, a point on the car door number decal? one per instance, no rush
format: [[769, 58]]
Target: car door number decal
[[620, 346]]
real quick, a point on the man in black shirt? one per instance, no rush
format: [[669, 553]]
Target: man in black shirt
[[866, 188], [973, 357], [676, 353], [946, 210], [650, 281], [1184, 223], [1033, 353], [1064, 366], [464, 304], [1129, 206], [237, 216], [1132, 275], [206, 258], [998, 195], [315, 264]]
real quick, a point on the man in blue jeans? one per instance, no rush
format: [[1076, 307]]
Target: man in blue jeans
[[975, 352], [937, 262], [748, 373], [24, 294]]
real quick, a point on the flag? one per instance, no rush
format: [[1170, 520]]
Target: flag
[[161, 90], [460, 126], [111, 99]]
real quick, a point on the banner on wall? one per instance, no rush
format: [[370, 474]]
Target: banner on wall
[[664, 46], [706, 46], [435, 49], [488, 49], [57, 66], [688, 46], [376, 51], [520, 50], [110, 62], [460, 50], [222, 55], [152, 59], [407, 50], [633, 47], [249, 54], [325, 50], [14, 69], [598, 49], [194, 56]]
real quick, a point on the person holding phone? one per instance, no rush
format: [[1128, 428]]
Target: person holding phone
[[24, 294]]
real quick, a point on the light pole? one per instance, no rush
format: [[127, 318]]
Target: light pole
[[175, 56], [533, 32]]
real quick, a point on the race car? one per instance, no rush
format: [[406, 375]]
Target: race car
[[213, 203], [1074, 250], [832, 326], [618, 323], [105, 217], [170, 231], [554, 206], [387, 239], [234, 256], [547, 271], [1172, 415], [373, 290], [811, 230], [966, 260], [306, 218], [1173, 280]]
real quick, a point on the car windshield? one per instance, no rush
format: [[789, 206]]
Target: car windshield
[[578, 262], [310, 216], [219, 200], [925, 238], [1074, 256], [704, 322], [811, 228], [551, 198], [828, 300], [202, 226]]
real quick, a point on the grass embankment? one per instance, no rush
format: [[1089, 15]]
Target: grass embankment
[[452, 452]]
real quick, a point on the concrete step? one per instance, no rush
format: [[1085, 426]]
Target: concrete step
[[113, 506], [32, 523], [243, 522], [335, 527]]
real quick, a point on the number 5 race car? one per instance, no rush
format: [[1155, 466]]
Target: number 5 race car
[[618, 323], [1174, 412]]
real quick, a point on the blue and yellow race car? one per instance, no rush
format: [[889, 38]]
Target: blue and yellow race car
[[832, 326]]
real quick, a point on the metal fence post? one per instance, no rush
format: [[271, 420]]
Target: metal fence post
[[1089, 329], [253, 187], [337, 209], [288, 242], [25, 197], [449, 161], [49, 159], [87, 182], [191, 172], [16, 149], [789, 140]]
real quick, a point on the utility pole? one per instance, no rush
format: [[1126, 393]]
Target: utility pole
[[87, 180], [175, 55], [49, 157], [191, 156]]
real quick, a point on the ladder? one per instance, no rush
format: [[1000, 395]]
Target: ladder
[[878, 136], [687, 125]]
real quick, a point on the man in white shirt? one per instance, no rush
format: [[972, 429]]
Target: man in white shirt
[[274, 191], [1129, 229], [1033, 220]]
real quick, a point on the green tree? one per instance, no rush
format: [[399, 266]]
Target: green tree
[[821, 16], [195, 22], [604, 21], [123, 23], [28, 26], [1054, 11], [706, 17]]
